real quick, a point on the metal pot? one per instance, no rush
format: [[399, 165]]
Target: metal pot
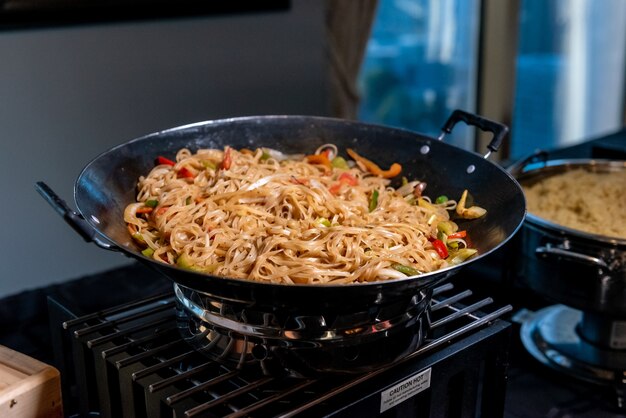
[[300, 319], [582, 270]]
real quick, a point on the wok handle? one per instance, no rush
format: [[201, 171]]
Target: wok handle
[[499, 130], [75, 220]]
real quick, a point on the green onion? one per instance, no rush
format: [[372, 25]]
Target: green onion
[[152, 203], [441, 199], [405, 180], [461, 255], [339, 162], [188, 200], [445, 227], [265, 156], [408, 270], [209, 164], [148, 252], [324, 222], [373, 200]]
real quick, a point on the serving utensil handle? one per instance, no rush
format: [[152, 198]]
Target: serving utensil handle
[[73, 219]]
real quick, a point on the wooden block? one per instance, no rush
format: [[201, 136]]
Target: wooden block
[[28, 387]]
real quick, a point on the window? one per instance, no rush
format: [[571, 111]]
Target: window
[[566, 60]]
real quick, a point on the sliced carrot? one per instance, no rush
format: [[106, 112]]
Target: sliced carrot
[[320, 159], [144, 209], [373, 168]]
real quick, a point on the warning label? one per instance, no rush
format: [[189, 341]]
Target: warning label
[[404, 390]]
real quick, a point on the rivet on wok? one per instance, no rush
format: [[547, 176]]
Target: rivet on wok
[[471, 168], [425, 149]]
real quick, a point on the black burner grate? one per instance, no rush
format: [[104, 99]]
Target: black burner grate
[[130, 361]]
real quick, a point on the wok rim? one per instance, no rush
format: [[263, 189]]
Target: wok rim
[[430, 278]]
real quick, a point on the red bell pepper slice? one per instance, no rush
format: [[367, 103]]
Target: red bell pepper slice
[[162, 160], [348, 179], [440, 247], [459, 234], [185, 173]]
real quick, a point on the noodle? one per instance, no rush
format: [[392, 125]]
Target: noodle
[[264, 216], [582, 200]]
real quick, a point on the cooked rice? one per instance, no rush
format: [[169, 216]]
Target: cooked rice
[[582, 200]]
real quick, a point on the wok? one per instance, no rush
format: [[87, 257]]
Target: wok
[[108, 183]]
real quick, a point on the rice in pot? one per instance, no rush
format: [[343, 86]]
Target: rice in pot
[[591, 202]]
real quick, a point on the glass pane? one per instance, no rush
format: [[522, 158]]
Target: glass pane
[[420, 65], [570, 73]]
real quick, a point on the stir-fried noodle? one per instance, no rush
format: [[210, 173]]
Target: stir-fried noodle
[[265, 216]]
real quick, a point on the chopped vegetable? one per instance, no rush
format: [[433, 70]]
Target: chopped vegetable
[[227, 161], [373, 201], [423, 203], [373, 168], [152, 203], [468, 213], [209, 164], [144, 209], [323, 221], [340, 162], [408, 270], [441, 199], [148, 252], [160, 160], [334, 189], [185, 173], [440, 247], [447, 227], [265, 156], [188, 200], [184, 262], [419, 189], [348, 179], [459, 234], [138, 237], [457, 257], [320, 159]]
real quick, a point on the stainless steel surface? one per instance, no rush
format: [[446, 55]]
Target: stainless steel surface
[[357, 343]]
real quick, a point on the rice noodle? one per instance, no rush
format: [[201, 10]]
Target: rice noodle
[[274, 218]]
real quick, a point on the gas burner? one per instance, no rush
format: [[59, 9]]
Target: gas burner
[[566, 340], [302, 343]]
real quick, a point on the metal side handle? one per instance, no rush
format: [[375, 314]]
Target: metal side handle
[[499, 130], [73, 219], [549, 251]]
